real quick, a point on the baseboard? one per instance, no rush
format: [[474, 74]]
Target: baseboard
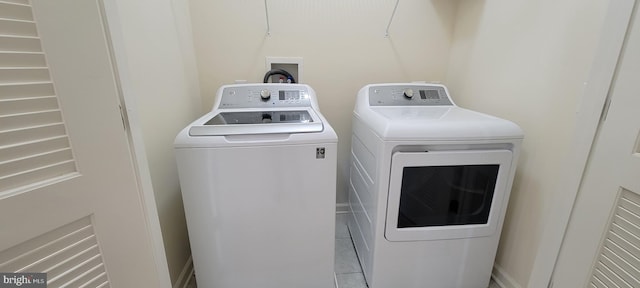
[[185, 274], [342, 208], [502, 278]]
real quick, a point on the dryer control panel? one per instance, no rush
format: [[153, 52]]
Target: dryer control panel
[[264, 96], [409, 95]]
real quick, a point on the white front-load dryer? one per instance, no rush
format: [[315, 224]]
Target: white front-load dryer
[[429, 187], [258, 176]]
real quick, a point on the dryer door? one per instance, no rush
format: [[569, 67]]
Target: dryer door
[[446, 194]]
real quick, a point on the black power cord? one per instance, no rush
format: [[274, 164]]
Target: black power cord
[[278, 72]]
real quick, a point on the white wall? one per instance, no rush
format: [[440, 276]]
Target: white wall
[[159, 74], [341, 41], [526, 61]]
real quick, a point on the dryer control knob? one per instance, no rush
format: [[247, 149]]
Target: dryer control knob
[[408, 93], [265, 94]]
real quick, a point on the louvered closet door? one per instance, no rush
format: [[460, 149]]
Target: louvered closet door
[[602, 244], [69, 204]]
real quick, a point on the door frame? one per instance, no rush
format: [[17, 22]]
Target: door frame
[[133, 130], [594, 102]]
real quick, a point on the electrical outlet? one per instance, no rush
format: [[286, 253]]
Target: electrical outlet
[[293, 65]]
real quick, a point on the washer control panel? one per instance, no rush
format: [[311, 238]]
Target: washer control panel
[[408, 95], [264, 96]]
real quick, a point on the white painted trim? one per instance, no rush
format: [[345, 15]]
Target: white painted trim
[[342, 208], [136, 144], [596, 91], [185, 275], [502, 278]]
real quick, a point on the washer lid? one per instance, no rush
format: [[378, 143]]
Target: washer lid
[[247, 121]]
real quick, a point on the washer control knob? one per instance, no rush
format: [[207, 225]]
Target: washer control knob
[[408, 93], [265, 94]]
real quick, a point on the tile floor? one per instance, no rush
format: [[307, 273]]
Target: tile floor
[[348, 271]]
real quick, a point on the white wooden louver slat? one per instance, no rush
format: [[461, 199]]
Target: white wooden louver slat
[[25, 90], [69, 258], [629, 215], [615, 267], [19, 43], [74, 273], [18, 251], [23, 2], [27, 121], [25, 105], [34, 146], [82, 238], [15, 11], [10, 75], [618, 264], [22, 59], [18, 28], [96, 282], [625, 269], [617, 227], [16, 166], [625, 226], [601, 280], [631, 203], [31, 133], [81, 275], [42, 173], [592, 285], [621, 252], [622, 242], [69, 255], [612, 278], [68, 274]]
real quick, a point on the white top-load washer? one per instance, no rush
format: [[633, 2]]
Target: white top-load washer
[[258, 176], [429, 186]]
